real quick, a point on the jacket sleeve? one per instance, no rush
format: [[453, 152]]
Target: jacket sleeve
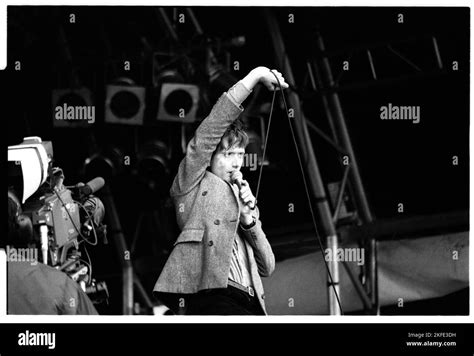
[[262, 250], [199, 150]]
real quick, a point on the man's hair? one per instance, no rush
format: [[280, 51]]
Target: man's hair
[[235, 135], [12, 233], [19, 234]]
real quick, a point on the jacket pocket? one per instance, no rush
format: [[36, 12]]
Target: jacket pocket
[[190, 236]]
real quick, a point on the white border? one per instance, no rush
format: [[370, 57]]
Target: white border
[[3, 283], [31, 319]]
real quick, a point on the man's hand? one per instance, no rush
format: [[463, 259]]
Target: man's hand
[[246, 201], [266, 77]]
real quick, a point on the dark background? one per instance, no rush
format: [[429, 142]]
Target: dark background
[[400, 162]]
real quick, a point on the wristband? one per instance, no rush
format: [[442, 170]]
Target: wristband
[[252, 224]]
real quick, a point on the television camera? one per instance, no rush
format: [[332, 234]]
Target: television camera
[[61, 219]]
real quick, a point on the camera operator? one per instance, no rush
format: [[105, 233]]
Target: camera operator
[[33, 287]]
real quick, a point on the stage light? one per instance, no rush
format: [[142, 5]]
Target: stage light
[[106, 163], [72, 108], [178, 102], [125, 103], [153, 164], [169, 75]]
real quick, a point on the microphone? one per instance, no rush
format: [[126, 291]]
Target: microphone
[[84, 190], [237, 178]]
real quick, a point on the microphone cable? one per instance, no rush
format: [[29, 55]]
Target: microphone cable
[[303, 176]]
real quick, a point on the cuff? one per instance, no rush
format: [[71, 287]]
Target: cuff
[[248, 227], [238, 93]]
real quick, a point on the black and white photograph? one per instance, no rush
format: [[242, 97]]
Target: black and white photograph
[[173, 161]]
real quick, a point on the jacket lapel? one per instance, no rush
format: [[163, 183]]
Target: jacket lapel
[[233, 187]]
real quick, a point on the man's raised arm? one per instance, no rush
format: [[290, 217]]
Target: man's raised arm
[[209, 133]]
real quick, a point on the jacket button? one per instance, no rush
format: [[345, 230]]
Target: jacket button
[[210, 243], [217, 222], [204, 193]]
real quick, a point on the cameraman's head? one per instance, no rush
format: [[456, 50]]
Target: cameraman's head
[[20, 231]]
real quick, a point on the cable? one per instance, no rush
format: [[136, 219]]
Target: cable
[[265, 148], [90, 264], [305, 185], [67, 211], [93, 227], [72, 221]]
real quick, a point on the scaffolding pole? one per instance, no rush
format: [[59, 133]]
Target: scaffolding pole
[[335, 113], [312, 169]]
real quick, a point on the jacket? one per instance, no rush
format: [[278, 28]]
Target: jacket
[[208, 211]]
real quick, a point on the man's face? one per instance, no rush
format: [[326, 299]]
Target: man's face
[[225, 162]]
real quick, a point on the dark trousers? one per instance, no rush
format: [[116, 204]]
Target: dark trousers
[[223, 301]]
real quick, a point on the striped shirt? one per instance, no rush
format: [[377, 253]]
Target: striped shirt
[[239, 270]]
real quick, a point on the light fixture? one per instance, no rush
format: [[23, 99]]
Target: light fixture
[[153, 164], [178, 102], [72, 108], [125, 103], [107, 163]]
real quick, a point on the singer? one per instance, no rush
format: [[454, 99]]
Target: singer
[[222, 251]]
